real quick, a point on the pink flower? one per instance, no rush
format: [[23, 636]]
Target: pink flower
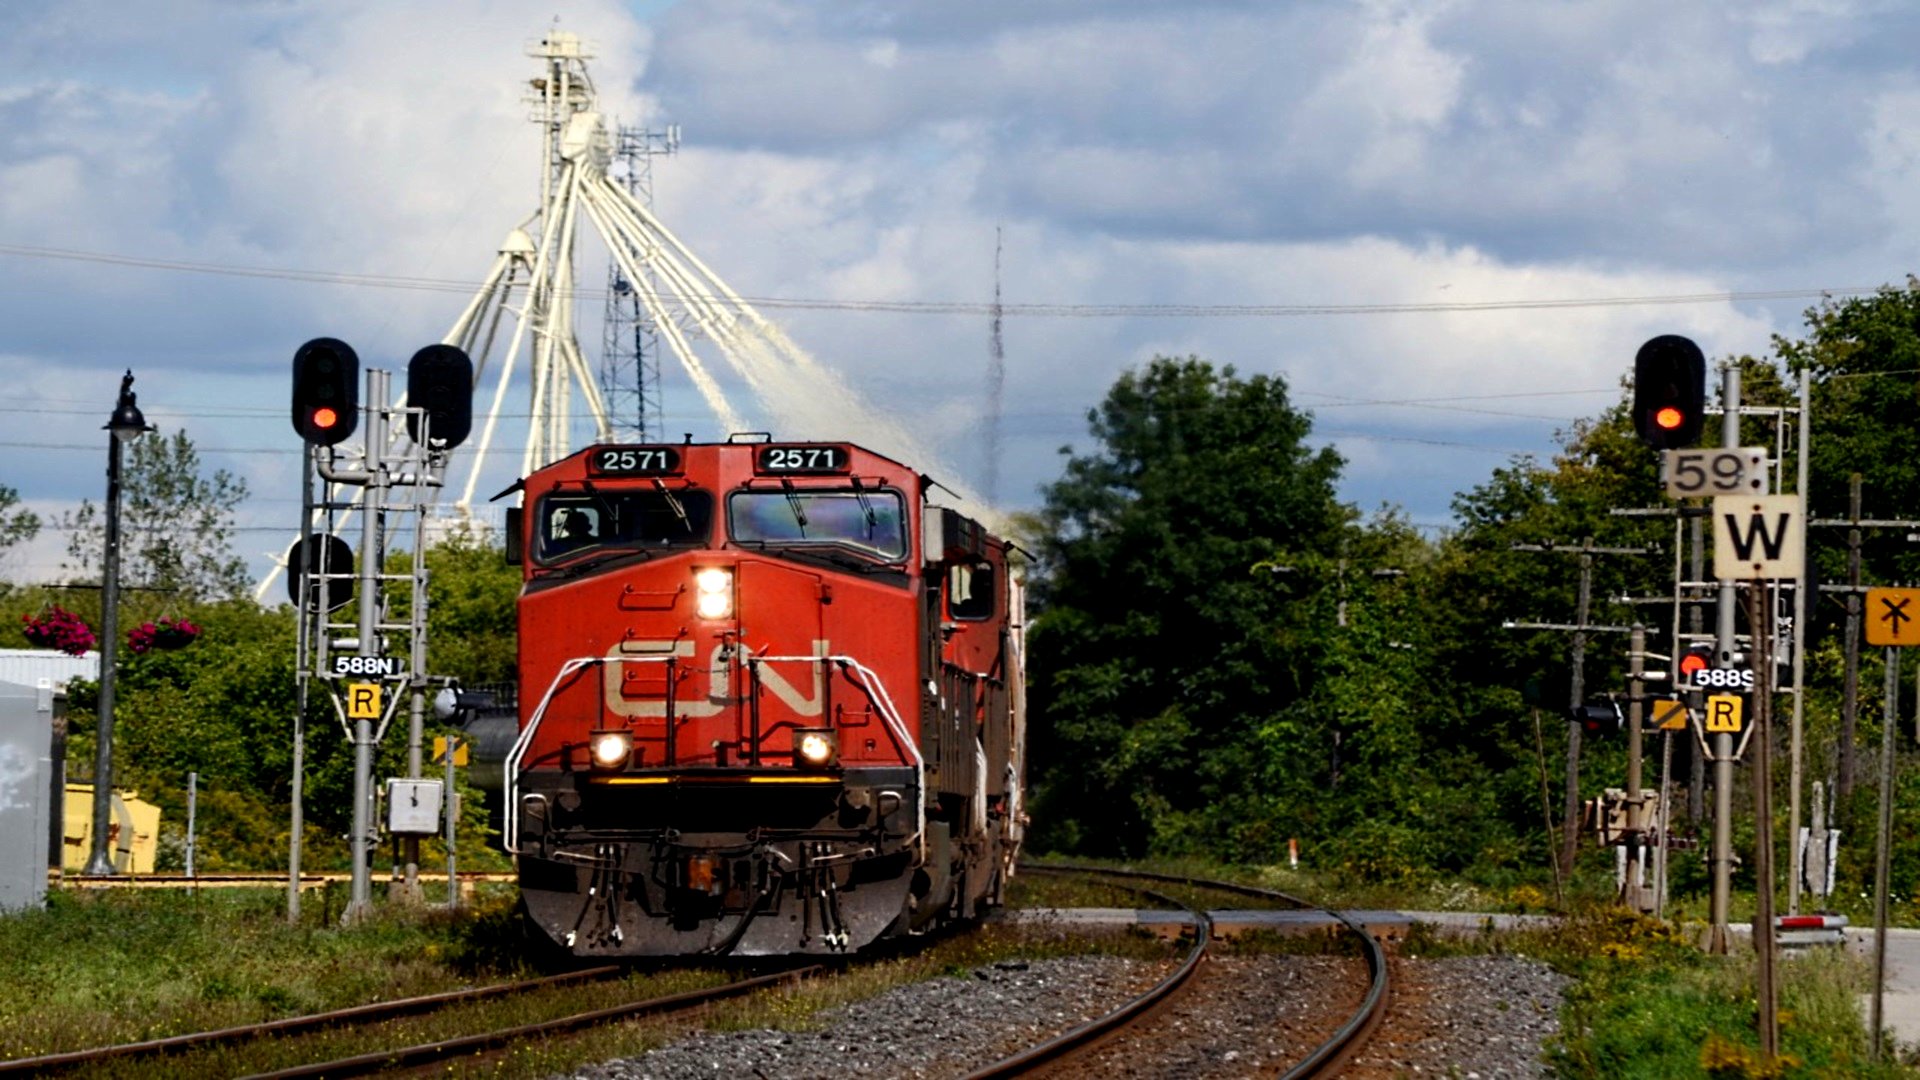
[[61, 629], [165, 634]]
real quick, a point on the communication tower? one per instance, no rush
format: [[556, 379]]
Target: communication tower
[[630, 347]]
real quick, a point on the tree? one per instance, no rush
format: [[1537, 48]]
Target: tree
[[472, 605], [1158, 654], [176, 525], [17, 524]]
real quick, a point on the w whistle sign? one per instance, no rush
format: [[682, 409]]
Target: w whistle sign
[[1758, 536]]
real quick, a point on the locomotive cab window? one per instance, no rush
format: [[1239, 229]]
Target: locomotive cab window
[[871, 522], [970, 589], [570, 523]]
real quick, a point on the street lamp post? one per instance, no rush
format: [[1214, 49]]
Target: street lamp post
[[126, 425]]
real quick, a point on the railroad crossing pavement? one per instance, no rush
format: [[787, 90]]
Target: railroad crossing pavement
[[1386, 925], [1900, 1005]]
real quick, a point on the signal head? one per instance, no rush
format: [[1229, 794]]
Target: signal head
[[440, 381], [1696, 659], [1669, 392], [330, 560], [326, 391], [1599, 716]]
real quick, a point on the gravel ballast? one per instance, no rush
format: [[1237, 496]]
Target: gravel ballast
[[1472, 1016]]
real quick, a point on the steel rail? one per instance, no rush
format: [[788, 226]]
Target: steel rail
[[1094, 1031], [427, 1053], [1352, 1034], [292, 1025]]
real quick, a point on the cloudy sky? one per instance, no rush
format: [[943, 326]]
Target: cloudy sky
[[162, 164]]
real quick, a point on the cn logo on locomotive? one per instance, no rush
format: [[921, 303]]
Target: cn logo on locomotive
[[642, 659]]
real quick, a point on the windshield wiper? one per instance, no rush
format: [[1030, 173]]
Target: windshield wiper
[[673, 503], [599, 500], [840, 558], [595, 561], [793, 503], [866, 508]]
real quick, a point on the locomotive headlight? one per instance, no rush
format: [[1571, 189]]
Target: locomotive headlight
[[713, 593], [816, 747], [610, 749]]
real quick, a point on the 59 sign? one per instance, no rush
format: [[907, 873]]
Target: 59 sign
[[1693, 474]]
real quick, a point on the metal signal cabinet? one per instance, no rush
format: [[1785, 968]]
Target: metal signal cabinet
[[770, 702]]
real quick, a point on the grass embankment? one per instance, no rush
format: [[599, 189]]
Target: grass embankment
[[118, 966], [1647, 1003]]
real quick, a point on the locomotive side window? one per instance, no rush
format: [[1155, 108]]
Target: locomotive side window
[[970, 590], [870, 522], [572, 522]]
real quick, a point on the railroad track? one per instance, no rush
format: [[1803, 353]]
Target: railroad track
[[1054, 1054], [157, 1051]]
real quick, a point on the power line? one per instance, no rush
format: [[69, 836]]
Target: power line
[[1363, 436], [965, 307]]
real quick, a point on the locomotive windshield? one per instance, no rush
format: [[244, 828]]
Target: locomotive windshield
[[870, 522], [577, 521]]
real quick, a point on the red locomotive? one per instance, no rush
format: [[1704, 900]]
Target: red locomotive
[[770, 702]]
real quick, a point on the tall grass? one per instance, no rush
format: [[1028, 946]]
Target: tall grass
[[114, 966], [1646, 1003]]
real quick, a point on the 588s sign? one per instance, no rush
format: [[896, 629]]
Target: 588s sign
[[1723, 679]]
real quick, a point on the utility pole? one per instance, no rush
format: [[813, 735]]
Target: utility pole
[[1631, 891], [1850, 692], [1882, 845], [1847, 768], [1577, 655], [1759, 598], [1800, 610], [1723, 741], [1696, 618]]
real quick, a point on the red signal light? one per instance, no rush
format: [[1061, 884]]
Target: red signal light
[[1669, 418], [324, 417], [1691, 664]]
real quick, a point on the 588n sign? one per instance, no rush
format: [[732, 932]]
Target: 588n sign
[[367, 666]]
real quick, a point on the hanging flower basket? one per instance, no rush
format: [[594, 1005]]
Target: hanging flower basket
[[165, 634], [58, 628]]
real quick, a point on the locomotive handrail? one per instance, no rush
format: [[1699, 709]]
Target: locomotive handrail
[[870, 683], [510, 765], [877, 692]]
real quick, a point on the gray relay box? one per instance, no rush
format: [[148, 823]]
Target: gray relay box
[[413, 807]]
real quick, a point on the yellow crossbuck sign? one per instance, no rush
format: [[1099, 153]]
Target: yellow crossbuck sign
[[1893, 616]]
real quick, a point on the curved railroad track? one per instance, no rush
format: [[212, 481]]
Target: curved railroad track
[[1323, 1060], [366, 1016], [1056, 1053]]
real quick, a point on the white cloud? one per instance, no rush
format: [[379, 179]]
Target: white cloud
[[1135, 151]]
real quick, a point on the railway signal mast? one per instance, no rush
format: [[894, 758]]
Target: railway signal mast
[[363, 678], [1758, 539]]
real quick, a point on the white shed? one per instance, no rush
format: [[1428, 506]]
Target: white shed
[[28, 666]]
